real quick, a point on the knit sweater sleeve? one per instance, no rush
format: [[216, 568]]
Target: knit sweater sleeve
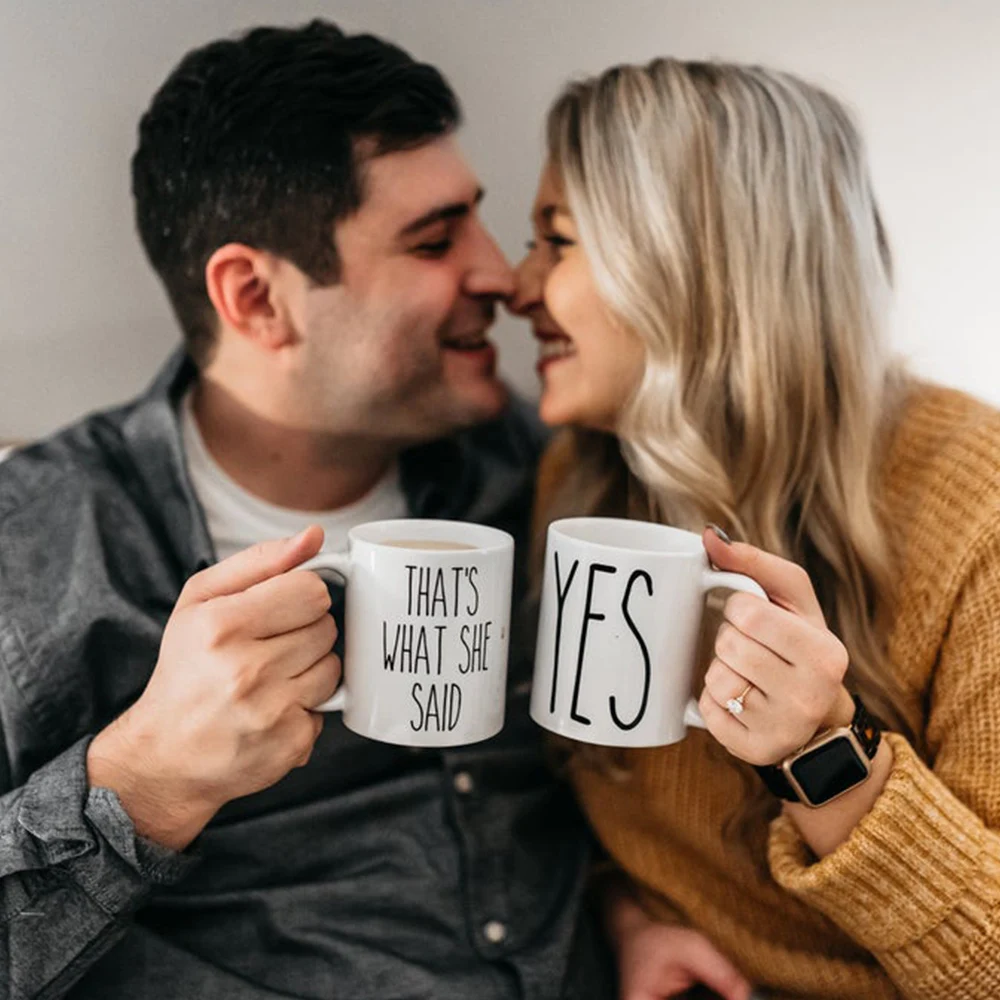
[[918, 881]]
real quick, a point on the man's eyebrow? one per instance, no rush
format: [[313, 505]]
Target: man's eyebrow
[[453, 210]]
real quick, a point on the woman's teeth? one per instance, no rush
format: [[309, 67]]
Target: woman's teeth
[[550, 349]]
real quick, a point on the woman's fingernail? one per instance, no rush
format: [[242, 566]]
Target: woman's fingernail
[[720, 534]]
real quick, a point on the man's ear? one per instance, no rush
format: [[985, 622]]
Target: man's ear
[[241, 284]]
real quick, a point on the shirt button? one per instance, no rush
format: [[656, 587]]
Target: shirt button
[[495, 932], [464, 785]]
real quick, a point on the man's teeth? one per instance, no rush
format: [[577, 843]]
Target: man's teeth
[[555, 349], [466, 343]]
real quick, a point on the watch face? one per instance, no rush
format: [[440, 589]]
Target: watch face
[[829, 770]]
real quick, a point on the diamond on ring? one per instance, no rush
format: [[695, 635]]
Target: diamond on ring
[[735, 705]]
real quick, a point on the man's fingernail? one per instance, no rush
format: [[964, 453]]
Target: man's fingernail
[[720, 534]]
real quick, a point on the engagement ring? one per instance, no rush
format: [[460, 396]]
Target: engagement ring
[[735, 705]]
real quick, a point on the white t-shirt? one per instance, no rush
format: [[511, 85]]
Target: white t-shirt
[[237, 519]]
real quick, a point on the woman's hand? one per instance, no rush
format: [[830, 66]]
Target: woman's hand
[[657, 960], [781, 647]]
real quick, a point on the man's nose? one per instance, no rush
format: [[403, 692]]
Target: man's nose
[[490, 274]]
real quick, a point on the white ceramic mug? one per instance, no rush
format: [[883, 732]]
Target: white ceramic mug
[[622, 603], [426, 630]]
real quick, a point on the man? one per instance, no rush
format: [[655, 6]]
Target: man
[[177, 822]]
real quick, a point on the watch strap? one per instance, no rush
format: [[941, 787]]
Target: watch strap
[[776, 782], [866, 730]]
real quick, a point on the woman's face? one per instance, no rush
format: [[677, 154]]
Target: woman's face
[[587, 362]]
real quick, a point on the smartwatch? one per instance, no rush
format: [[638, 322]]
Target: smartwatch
[[832, 763]]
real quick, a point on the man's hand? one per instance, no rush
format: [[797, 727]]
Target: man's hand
[[244, 657], [656, 961]]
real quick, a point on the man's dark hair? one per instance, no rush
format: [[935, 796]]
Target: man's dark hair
[[254, 139]]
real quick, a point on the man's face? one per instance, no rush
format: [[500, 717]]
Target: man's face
[[397, 349]]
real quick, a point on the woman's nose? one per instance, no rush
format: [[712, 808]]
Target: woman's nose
[[529, 282]]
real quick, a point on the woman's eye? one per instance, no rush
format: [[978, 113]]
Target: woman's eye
[[558, 242]]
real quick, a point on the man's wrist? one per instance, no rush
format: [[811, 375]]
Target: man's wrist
[[621, 911], [159, 810]]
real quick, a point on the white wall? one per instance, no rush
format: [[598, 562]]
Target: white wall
[[83, 322]]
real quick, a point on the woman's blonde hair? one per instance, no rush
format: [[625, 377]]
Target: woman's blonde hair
[[729, 220]]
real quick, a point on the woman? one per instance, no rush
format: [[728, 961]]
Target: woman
[[709, 285]]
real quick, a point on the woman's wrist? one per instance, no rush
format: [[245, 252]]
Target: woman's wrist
[[825, 828], [841, 714], [847, 714]]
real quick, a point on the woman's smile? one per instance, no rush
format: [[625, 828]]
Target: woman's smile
[[553, 347]]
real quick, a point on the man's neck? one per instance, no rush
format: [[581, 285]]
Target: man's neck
[[296, 469]]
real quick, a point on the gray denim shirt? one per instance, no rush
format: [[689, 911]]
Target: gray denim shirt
[[374, 871]]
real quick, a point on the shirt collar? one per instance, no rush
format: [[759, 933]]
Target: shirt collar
[[152, 430]]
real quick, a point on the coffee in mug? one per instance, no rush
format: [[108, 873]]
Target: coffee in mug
[[429, 544]]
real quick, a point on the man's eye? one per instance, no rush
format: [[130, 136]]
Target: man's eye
[[438, 249]]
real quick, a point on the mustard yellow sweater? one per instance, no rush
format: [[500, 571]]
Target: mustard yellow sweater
[[909, 905]]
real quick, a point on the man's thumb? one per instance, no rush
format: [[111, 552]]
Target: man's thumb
[[251, 566]]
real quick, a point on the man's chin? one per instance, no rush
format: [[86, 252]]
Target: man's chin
[[480, 403], [477, 392]]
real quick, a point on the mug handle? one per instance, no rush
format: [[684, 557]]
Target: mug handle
[[339, 564], [713, 579]]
